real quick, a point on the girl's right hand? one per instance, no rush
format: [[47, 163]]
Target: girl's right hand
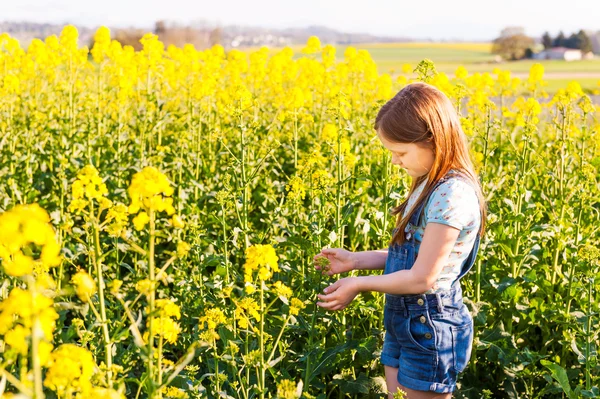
[[341, 261]]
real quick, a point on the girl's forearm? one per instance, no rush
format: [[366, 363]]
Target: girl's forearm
[[402, 282], [370, 260]]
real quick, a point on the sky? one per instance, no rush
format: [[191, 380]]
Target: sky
[[428, 19]]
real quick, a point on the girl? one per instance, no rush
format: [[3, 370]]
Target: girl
[[429, 331]]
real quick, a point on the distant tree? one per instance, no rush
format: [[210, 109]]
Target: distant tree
[[512, 44], [561, 40], [572, 41], [547, 40], [130, 37], [579, 41], [512, 31], [585, 43], [528, 53], [216, 36], [178, 35], [160, 28]]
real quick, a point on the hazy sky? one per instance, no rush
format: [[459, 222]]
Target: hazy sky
[[436, 19]]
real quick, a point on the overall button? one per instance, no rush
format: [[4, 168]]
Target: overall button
[[420, 301], [423, 319], [428, 335]]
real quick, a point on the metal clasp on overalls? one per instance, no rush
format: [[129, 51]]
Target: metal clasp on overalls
[[410, 230]]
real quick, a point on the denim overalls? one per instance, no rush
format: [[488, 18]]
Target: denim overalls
[[429, 336]]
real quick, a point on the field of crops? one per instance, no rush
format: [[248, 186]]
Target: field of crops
[[161, 210], [477, 57]]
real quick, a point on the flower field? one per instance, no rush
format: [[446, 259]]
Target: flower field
[[160, 210]]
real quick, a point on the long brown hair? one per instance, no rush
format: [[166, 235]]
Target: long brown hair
[[422, 114]]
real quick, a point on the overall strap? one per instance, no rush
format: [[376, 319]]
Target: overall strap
[[470, 261], [415, 216]]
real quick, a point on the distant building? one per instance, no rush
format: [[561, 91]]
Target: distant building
[[559, 53]]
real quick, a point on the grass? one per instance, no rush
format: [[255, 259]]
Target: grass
[[590, 85]]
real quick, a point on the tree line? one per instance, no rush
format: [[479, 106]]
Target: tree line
[[514, 44], [579, 40]]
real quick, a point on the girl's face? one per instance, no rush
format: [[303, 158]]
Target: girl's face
[[416, 159]]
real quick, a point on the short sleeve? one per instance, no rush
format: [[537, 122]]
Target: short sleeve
[[454, 203]]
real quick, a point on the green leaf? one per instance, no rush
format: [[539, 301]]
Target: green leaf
[[506, 249], [560, 375], [360, 385]]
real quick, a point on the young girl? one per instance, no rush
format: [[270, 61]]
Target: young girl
[[429, 331]]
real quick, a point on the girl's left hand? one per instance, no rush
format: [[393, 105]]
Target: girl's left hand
[[339, 294]]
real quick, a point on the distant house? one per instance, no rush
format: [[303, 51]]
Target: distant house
[[559, 53]]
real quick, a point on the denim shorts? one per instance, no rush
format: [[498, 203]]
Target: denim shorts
[[428, 338]]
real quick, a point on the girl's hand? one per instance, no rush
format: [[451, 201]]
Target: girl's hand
[[340, 261], [339, 294]]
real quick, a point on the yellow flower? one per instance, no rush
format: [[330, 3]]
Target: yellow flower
[[151, 190], [183, 248], [260, 255], [536, 73], [105, 393], [118, 216], [88, 185], [296, 305], [249, 288], [141, 220], [168, 308], [19, 265], [101, 44], [177, 222], [85, 286], [296, 99], [174, 393], [282, 290], [114, 286], [313, 45], [287, 389], [296, 188], [213, 317], [21, 230], [461, 72], [70, 370], [45, 352], [167, 328], [145, 286], [250, 306], [328, 55], [17, 339], [330, 133]]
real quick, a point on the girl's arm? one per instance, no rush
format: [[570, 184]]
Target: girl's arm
[[437, 244], [370, 260]]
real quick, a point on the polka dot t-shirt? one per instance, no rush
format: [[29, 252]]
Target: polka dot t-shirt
[[453, 203]]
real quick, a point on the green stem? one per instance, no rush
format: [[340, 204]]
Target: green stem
[[159, 364], [262, 343], [151, 301], [100, 277], [561, 175], [310, 336], [225, 249], [36, 332], [589, 336]]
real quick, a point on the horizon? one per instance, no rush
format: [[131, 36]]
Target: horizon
[[449, 22]]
